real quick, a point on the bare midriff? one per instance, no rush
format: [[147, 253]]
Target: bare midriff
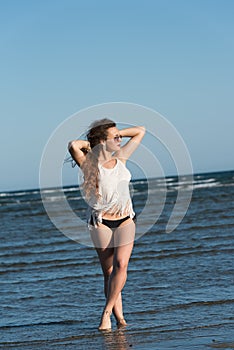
[[113, 216]]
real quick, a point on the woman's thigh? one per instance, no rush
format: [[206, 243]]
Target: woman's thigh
[[125, 233], [102, 237]]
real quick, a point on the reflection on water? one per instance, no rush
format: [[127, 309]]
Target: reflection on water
[[117, 339]]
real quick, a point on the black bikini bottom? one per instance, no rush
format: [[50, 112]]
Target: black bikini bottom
[[112, 224]]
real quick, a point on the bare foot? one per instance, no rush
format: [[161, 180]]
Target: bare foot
[[105, 321], [121, 323]]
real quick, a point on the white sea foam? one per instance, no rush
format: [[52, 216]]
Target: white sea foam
[[53, 198], [71, 189], [197, 186], [57, 190], [16, 194], [74, 198], [52, 190], [205, 180]]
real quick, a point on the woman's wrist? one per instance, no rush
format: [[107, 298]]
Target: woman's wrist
[[131, 132]]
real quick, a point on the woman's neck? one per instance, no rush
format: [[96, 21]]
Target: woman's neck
[[105, 156]]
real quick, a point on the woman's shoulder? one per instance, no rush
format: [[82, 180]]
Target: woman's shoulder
[[120, 160]]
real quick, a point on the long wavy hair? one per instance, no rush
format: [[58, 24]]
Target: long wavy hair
[[97, 132]]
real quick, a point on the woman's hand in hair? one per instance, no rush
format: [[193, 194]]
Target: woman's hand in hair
[[78, 150]]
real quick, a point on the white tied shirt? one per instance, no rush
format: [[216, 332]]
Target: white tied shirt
[[114, 195]]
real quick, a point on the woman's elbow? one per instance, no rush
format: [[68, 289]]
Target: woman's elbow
[[142, 130], [71, 146]]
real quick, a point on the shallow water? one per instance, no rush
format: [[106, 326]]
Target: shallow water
[[179, 293]]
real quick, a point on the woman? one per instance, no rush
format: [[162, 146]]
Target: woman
[[110, 214]]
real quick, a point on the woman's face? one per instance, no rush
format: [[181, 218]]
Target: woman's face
[[113, 141]]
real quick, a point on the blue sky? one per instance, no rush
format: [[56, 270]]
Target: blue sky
[[60, 56]]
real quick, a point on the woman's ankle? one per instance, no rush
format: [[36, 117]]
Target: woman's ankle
[[121, 322], [106, 313], [105, 320]]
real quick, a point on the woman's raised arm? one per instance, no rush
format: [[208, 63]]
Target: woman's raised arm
[[136, 134], [78, 150]]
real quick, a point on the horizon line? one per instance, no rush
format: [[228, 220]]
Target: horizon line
[[133, 180]]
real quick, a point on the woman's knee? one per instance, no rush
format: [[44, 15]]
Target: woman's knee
[[121, 264], [107, 272]]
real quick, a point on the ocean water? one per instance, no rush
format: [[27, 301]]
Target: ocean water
[[179, 292]]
